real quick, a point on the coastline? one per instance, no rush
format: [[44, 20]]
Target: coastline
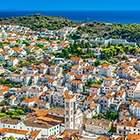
[[122, 17]]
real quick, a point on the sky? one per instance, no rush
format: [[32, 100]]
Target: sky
[[71, 5]]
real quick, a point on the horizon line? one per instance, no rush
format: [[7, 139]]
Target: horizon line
[[16, 10]]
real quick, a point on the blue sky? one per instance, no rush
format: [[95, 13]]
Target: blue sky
[[56, 5]]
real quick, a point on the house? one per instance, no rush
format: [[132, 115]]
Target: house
[[84, 35], [120, 96], [124, 111], [62, 45], [5, 46], [96, 126], [89, 70], [105, 70], [37, 50], [95, 89], [76, 69], [51, 83], [96, 107], [42, 41], [83, 64], [58, 99], [47, 96], [47, 128], [137, 91], [4, 89], [106, 100], [106, 88], [33, 92], [16, 78], [69, 76], [76, 86], [83, 77], [137, 65], [3, 56], [9, 51], [126, 71], [45, 77], [109, 80], [134, 108], [12, 61], [126, 127], [35, 102], [130, 91], [19, 51], [12, 100], [75, 60], [16, 133]]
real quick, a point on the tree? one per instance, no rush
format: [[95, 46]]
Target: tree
[[40, 46], [15, 117], [95, 116], [112, 115], [84, 89], [23, 98], [26, 43], [3, 102], [97, 62], [11, 138], [65, 53], [130, 99]]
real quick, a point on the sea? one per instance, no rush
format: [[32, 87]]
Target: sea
[[125, 17]]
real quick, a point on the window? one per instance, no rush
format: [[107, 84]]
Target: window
[[20, 127], [3, 125], [9, 126], [67, 105], [67, 112], [67, 119], [14, 127], [27, 128]]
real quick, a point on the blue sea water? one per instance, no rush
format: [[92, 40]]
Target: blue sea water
[[102, 16]]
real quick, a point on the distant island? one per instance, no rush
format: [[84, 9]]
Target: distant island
[[130, 32]]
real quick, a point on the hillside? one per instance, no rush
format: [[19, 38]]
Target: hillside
[[131, 32], [37, 21]]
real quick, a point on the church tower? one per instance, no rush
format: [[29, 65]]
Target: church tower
[[69, 111]]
